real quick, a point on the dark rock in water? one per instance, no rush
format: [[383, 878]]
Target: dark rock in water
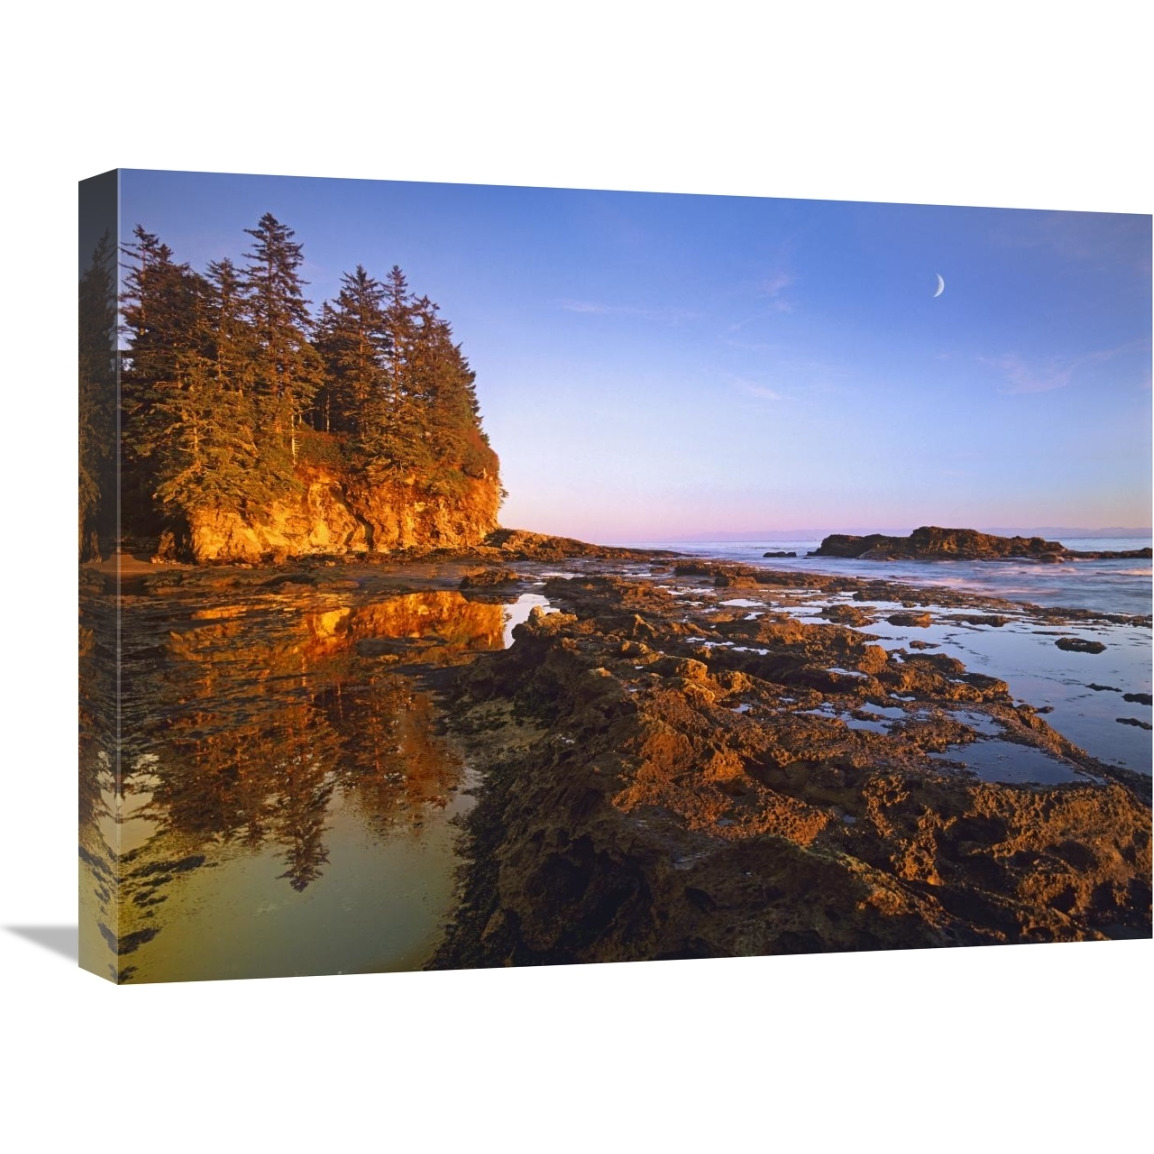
[[1134, 721], [994, 619], [918, 620], [923, 645], [1138, 698], [1108, 554], [847, 615], [487, 578], [1103, 688], [930, 543], [289, 581], [1079, 645], [779, 554]]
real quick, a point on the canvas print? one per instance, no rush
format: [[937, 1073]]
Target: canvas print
[[487, 576]]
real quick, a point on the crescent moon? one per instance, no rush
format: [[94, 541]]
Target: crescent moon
[[941, 285]]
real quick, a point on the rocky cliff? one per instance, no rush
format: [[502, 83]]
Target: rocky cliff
[[335, 512]]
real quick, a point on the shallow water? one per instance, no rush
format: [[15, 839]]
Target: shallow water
[[1041, 674], [1006, 761], [1021, 652], [288, 802], [1107, 586]]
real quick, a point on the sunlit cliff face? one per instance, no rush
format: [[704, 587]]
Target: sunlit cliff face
[[333, 514], [251, 728]]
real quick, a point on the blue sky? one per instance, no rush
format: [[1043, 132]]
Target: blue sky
[[662, 365]]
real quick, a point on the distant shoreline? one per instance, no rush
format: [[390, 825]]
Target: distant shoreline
[[774, 536]]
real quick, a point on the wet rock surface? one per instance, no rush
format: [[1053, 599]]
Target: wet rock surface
[[1079, 645], [488, 579], [671, 779]]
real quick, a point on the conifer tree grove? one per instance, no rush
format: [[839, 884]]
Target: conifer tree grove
[[230, 389], [97, 400]]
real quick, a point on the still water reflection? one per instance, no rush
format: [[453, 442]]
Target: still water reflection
[[286, 800]]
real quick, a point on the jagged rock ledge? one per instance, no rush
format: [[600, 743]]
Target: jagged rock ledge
[[930, 543], [667, 784]]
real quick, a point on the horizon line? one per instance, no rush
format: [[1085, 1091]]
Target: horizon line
[[812, 533]]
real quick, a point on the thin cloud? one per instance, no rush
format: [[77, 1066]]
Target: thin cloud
[[774, 288], [1027, 378], [1049, 374], [761, 391], [770, 292]]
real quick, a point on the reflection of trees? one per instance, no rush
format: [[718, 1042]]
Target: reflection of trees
[[446, 619], [96, 762], [251, 716], [394, 762]]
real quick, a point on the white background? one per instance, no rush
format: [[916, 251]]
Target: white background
[[1008, 104]]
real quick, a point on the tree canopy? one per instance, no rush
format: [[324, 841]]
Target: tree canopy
[[231, 389]]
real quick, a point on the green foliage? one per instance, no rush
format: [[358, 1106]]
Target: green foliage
[[96, 365], [229, 386], [327, 449]]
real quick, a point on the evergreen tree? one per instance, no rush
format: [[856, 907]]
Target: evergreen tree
[[397, 436], [159, 315], [443, 402], [96, 364], [354, 345], [287, 369], [211, 455], [449, 401], [232, 338]]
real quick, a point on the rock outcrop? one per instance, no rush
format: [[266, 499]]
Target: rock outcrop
[[930, 543], [664, 786], [333, 513], [522, 545]]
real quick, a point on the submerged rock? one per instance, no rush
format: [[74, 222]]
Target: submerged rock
[[1079, 645]]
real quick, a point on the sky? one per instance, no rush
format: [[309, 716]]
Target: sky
[[661, 366]]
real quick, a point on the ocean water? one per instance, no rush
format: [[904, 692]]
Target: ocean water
[[1105, 586], [1084, 693]]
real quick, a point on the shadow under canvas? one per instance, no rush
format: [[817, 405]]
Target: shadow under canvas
[[62, 940]]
